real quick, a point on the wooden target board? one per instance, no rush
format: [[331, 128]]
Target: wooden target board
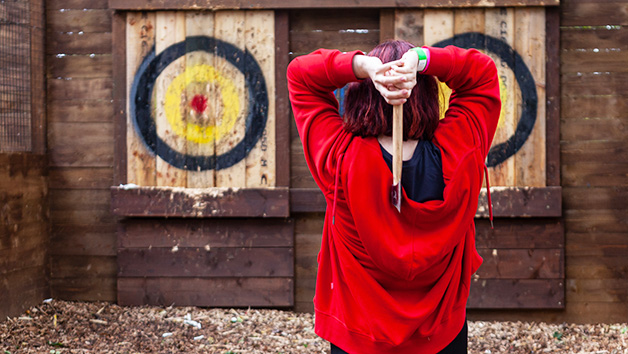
[[200, 99], [515, 39]]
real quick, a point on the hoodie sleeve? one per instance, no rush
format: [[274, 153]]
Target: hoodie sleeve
[[474, 105], [311, 81]]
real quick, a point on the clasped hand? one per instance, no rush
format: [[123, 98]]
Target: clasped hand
[[394, 80]]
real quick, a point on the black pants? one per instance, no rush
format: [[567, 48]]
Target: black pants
[[457, 346]]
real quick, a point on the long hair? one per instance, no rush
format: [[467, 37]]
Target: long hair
[[368, 114]]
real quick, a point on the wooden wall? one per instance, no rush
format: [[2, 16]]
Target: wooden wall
[[80, 148], [23, 232], [593, 158]]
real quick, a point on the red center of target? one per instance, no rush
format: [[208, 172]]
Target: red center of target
[[199, 103]]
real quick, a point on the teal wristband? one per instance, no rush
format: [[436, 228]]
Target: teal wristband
[[422, 58]]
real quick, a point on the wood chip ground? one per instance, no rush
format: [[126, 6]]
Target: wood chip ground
[[57, 327]]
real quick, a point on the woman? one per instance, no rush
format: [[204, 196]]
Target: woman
[[391, 282]]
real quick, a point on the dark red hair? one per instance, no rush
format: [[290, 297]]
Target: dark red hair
[[368, 114]]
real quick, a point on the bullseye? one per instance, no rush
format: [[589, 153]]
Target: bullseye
[[201, 121], [199, 104]]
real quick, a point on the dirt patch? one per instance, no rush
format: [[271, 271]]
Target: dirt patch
[[58, 327]]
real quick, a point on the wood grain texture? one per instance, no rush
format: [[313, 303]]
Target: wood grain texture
[[210, 292], [230, 27], [517, 294], [279, 4], [140, 38], [205, 262], [169, 30], [205, 233], [282, 103], [259, 40], [500, 23], [209, 202], [530, 160], [24, 231]]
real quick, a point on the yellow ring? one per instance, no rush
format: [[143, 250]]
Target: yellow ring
[[194, 132]]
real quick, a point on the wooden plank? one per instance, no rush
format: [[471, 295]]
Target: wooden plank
[[200, 24], [409, 26], [601, 107], [230, 128], [522, 202], [516, 294], [216, 292], [602, 221], [80, 144], [16, 259], [438, 25], [584, 198], [21, 290], [521, 264], [80, 88], [91, 111], [308, 230], [280, 4], [313, 20], [201, 233], [597, 244], [593, 37], [500, 23], [306, 42], [84, 288], [170, 121], [282, 103], [386, 25], [63, 43], [84, 240], [307, 200], [76, 4], [608, 266], [594, 60], [594, 84], [71, 266], [595, 151], [119, 99], [534, 233], [210, 202], [79, 66], [80, 207], [594, 13], [552, 68], [530, 162], [205, 262], [79, 20], [469, 20], [594, 174], [80, 178], [259, 36], [140, 37]]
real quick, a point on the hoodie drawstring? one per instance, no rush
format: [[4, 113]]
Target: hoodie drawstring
[[488, 195]]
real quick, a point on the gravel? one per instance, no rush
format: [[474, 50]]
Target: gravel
[[57, 327]]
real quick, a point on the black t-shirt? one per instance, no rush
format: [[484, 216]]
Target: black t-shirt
[[422, 175]]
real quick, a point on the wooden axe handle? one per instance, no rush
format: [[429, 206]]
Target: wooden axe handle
[[397, 138]]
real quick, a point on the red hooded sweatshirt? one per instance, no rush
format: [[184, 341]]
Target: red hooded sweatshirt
[[391, 282]]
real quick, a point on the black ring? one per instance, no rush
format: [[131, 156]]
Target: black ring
[[142, 93], [529, 99]]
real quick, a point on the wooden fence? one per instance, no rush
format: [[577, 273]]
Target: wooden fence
[[584, 241]]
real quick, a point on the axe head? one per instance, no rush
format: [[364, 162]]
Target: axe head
[[395, 196]]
